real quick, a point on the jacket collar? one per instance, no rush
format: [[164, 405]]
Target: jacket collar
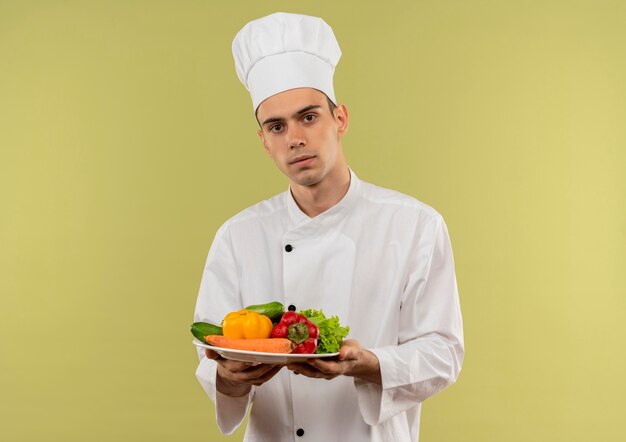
[[301, 221]]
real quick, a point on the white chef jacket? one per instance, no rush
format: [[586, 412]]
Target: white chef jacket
[[378, 259]]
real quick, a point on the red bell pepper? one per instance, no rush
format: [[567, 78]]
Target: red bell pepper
[[299, 330]]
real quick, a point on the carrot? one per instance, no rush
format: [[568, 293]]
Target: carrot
[[268, 345]]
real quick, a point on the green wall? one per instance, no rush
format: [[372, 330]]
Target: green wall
[[126, 140]]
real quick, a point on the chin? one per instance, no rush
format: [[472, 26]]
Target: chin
[[307, 178]]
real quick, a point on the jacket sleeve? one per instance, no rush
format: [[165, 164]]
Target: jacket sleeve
[[219, 294], [430, 347]]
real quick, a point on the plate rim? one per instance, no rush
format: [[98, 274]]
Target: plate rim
[[198, 343]]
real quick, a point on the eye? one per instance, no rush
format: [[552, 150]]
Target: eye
[[310, 117], [276, 128]]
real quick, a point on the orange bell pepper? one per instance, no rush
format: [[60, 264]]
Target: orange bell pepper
[[246, 324]]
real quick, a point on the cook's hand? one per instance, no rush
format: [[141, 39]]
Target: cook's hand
[[353, 360], [235, 378]]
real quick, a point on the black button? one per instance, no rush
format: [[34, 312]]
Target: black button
[[288, 248], [300, 432], [291, 308]]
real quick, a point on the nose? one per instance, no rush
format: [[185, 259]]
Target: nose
[[296, 137]]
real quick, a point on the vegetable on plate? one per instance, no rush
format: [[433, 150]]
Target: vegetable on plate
[[331, 331], [202, 329], [266, 345], [299, 330], [246, 324], [272, 310], [271, 328]]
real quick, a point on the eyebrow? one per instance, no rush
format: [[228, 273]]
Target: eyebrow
[[300, 112]]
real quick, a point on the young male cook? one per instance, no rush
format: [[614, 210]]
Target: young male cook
[[378, 259]]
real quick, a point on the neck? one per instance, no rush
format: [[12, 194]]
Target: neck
[[318, 198]]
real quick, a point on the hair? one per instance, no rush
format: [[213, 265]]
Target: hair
[[332, 106]]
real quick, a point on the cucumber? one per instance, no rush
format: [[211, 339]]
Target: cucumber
[[202, 329], [272, 310]]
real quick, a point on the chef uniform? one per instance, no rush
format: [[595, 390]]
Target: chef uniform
[[378, 259]]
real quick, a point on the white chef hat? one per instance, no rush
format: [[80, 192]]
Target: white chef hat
[[285, 51]]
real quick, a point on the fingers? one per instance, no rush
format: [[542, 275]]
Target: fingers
[[211, 354], [257, 371], [267, 376], [314, 369], [246, 373], [234, 366], [350, 350], [229, 364], [326, 367], [255, 375], [349, 358]]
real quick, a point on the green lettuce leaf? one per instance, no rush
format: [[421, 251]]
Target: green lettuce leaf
[[331, 332]]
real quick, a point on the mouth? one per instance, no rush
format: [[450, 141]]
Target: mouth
[[301, 160]]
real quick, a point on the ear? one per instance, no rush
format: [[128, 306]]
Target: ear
[[262, 137], [341, 117]]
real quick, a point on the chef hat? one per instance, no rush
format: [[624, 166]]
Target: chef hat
[[285, 51]]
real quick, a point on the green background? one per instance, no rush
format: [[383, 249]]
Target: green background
[[126, 140]]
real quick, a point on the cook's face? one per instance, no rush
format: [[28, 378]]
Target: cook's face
[[301, 134]]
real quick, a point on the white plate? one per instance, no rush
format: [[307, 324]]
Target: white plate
[[260, 357]]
